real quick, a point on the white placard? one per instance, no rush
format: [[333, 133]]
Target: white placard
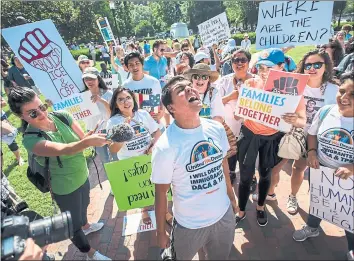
[[111, 81], [214, 30], [332, 198], [293, 23], [106, 31], [79, 105], [46, 58], [133, 224]]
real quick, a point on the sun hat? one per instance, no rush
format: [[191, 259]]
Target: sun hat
[[82, 58], [271, 57], [202, 69], [200, 56], [246, 34], [90, 72]]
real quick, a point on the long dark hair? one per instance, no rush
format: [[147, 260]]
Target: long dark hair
[[113, 105], [190, 57], [327, 76], [338, 52], [101, 84]]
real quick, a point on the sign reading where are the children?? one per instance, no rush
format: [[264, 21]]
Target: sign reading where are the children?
[[79, 105], [332, 198], [293, 23], [111, 80], [46, 58], [214, 30], [130, 182]]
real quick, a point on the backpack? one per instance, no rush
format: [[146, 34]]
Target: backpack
[[37, 174]]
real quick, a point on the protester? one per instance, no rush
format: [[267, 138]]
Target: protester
[[83, 62], [335, 51], [187, 58], [347, 64], [346, 29], [202, 57], [118, 66], [185, 47], [92, 51], [196, 43], [318, 92], [105, 55], [258, 138], [246, 43], [340, 37], [102, 97], [330, 119], [147, 50], [204, 217], [69, 184], [138, 47], [231, 44], [190, 47], [104, 73], [5, 82]]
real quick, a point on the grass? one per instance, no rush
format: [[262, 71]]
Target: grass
[[40, 202]]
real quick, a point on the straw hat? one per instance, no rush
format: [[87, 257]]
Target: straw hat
[[202, 69]]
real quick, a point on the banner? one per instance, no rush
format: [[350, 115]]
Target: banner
[[293, 23], [111, 81], [106, 31], [332, 198], [130, 182], [266, 107], [133, 224], [214, 30], [46, 58], [79, 105], [285, 82]]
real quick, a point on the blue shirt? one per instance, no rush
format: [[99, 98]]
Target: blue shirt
[[347, 36], [117, 62], [289, 66], [157, 69], [147, 48]]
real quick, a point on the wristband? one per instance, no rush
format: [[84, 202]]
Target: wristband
[[311, 150]]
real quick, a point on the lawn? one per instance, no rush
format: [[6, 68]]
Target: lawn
[[39, 202]]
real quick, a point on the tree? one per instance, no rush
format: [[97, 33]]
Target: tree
[[144, 28], [338, 8], [245, 12]]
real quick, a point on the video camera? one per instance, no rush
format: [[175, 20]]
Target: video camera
[[16, 229]]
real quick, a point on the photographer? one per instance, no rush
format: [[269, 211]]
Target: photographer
[[68, 176]]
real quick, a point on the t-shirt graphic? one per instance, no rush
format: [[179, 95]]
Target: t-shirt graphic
[[312, 106], [205, 112]]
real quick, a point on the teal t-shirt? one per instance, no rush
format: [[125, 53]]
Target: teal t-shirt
[[74, 172]]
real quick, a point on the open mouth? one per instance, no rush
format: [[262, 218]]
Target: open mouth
[[193, 99]]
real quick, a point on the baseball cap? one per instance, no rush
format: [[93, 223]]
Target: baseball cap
[[200, 56], [82, 58], [90, 72], [271, 57]]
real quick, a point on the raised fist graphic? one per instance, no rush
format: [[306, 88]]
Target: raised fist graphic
[[43, 54], [286, 85]]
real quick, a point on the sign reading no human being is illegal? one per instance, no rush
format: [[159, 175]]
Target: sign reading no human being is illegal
[[293, 23]]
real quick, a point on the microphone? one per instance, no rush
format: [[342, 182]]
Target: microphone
[[121, 133]]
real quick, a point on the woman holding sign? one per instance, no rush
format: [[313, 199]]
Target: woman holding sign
[[60, 138], [332, 130]]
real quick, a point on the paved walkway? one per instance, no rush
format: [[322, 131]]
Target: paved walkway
[[251, 241]]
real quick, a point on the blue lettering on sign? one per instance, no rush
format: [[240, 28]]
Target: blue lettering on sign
[[67, 103]]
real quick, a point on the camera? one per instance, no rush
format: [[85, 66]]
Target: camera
[[16, 229], [168, 254]]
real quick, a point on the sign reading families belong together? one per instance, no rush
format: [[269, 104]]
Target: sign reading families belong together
[[293, 23]]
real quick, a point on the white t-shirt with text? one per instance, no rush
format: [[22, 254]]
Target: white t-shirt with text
[[191, 160]]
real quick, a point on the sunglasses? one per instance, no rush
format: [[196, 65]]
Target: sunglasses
[[197, 77], [316, 66], [34, 113], [85, 62], [239, 60]]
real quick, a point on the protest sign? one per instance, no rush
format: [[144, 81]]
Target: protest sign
[[266, 107], [46, 58], [293, 23], [285, 82], [111, 80], [130, 182], [214, 30], [133, 224], [79, 105], [106, 31], [332, 198]]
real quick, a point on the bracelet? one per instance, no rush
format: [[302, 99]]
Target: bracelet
[[311, 150]]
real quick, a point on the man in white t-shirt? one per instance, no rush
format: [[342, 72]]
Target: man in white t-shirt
[[148, 87], [190, 155], [246, 43]]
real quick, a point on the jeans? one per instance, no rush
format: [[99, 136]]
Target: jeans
[[314, 222]]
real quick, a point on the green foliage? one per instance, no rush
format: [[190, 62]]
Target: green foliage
[[144, 28], [85, 51], [338, 28]]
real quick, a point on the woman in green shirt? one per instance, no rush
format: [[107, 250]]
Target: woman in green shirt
[[69, 183]]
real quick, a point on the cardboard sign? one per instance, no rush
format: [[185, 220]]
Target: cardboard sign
[[285, 82], [293, 23], [332, 198], [111, 81], [130, 182], [46, 58], [214, 30], [133, 224], [106, 31], [79, 105], [266, 107]]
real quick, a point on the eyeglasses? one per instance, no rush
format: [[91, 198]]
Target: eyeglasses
[[316, 66], [239, 60], [162, 50], [34, 113], [123, 100], [197, 77]]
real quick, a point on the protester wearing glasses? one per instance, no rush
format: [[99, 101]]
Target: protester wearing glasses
[[190, 155], [256, 138], [336, 118], [187, 58], [246, 43], [69, 183]]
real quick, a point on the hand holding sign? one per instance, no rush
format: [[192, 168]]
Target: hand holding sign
[[43, 54], [344, 172]]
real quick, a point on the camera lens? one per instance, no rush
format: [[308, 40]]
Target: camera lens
[[51, 229]]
